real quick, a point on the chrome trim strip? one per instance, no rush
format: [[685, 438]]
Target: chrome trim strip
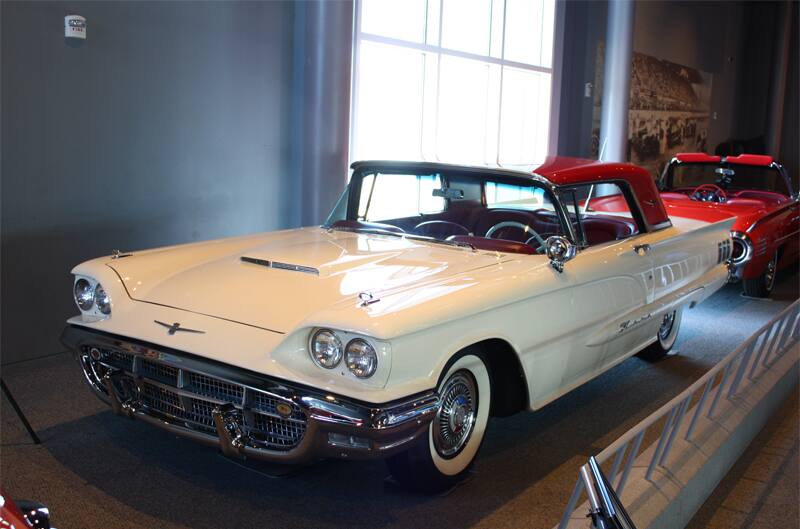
[[787, 236]]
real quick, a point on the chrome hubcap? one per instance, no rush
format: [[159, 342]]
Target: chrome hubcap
[[666, 325], [769, 275], [455, 419]]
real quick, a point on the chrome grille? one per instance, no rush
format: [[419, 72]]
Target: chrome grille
[[161, 399], [201, 414], [216, 388], [266, 403], [188, 398], [278, 431], [160, 372], [116, 359]]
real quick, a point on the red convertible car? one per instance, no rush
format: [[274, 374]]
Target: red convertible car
[[754, 189]]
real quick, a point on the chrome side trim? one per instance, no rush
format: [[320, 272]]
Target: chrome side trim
[[793, 234]]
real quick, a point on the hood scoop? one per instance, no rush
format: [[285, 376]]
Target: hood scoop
[[280, 266]]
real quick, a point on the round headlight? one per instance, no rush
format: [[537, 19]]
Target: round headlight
[[101, 299], [84, 296], [326, 349], [361, 358]]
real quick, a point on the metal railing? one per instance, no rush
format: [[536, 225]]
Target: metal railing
[[738, 369]]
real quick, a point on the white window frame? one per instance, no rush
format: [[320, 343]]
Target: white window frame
[[554, 70]]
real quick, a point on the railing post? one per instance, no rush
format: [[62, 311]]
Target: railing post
[[745, 360], [617, 463], [661, 441], [765, 344], [781, 328], [573, 499], [675, 428], [721, 387], [637, 442], [699, 409], [787, 334]]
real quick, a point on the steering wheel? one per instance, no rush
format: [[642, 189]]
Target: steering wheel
[[514, 224], [425, 228], [709, 193]]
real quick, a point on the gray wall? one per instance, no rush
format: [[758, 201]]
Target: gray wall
[[167, 125]]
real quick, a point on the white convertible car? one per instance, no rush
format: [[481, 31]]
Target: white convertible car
[[433, 297]]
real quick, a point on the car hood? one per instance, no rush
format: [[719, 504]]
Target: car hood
[[275, 281]]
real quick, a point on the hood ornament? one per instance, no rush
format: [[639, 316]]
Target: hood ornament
[[119, 254], [175, 327], [367, 298]]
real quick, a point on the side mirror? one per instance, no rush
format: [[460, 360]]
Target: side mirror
[[559, 250]]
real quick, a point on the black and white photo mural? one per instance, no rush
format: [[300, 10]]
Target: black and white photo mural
[[669, 111]]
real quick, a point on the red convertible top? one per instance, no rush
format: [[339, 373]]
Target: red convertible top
[[565, 171], [697, 157], [750, 159], [742, 159]]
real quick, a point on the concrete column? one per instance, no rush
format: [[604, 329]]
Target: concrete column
[[321, 115], [780, 67], [617, 81]]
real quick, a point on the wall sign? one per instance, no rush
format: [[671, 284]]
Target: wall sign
[[74, 27]]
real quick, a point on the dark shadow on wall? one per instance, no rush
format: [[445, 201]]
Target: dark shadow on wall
[[168, 125]]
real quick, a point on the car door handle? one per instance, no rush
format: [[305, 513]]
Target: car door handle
[[641, 249]]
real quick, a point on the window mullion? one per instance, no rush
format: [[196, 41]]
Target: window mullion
[[502, 73]]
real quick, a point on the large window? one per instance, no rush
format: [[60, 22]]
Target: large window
[[461, 81]]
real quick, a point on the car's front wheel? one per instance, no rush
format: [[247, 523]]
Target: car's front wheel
[[665, 338], [440, 459], [761, 286]]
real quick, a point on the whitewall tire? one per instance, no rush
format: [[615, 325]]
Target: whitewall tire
[[665, 337], [440, 459]]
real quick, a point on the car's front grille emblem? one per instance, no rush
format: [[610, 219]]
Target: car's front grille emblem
[[175, 327]]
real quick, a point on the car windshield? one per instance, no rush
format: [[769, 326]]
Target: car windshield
[[727, 176], [481, 211]]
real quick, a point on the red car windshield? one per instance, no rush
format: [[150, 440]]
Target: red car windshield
[[726, 176]]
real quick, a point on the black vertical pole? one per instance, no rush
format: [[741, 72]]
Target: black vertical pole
[[21, 415]]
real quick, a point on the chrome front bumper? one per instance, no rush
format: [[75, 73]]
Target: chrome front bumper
[[245, 414]]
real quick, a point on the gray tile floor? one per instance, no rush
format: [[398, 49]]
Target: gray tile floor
[[762, 490], [96, 470]]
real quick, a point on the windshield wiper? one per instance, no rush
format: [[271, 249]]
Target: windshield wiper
[[378, 231], [374, 231], [458, 244]]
